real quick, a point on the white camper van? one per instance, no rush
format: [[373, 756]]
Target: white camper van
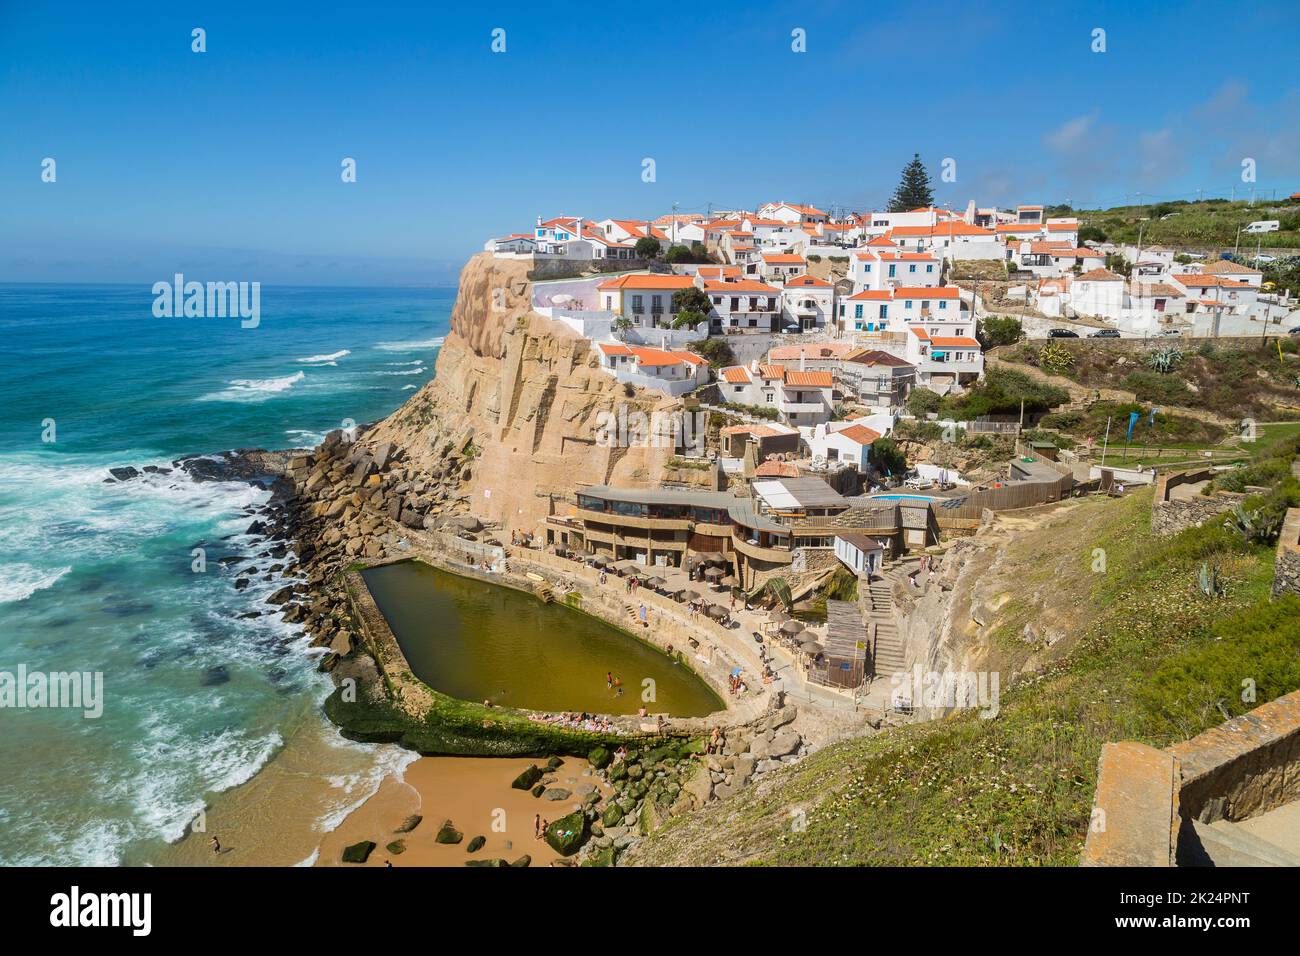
[[1264, 225]]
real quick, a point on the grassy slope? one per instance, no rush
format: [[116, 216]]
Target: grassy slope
[[1155, 661]]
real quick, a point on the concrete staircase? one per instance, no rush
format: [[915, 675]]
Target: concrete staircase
[[1228, 844], [887, 656]]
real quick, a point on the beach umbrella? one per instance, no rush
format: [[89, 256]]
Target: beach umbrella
[[600, 561], [717, 611], [791, 627], [779, 617], [691, 596], [656, 582], [729, 581], [811, 648], [713, 573]]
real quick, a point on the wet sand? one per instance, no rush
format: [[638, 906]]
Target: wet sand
[[474, 793]]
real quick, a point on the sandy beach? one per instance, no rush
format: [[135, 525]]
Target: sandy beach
[[474, 793]]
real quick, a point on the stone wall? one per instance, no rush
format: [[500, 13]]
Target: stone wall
[[1169, 515], [1286, 574]]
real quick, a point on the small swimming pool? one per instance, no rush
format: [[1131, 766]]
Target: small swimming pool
[[905, 497]]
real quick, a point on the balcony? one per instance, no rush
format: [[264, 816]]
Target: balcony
[[802, 408], [780, 554]]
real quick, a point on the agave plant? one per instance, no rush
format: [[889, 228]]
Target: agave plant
[[1055, 358], [1208, 580], [1254, 526], [1165, 359]]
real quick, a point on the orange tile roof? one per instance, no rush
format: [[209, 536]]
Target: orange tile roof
[[875, 295], [614, 349], [807, 281], [659, 357], [876, 357], [1100, 275], [919, 332], [859, 433], [937, 292], [817, 350], [1202, 282], [783, 259], [956, 342], [1228, 266], [736, 375], [648, 282], [808, 379], [1062, 227], [740, 285], [771, 371], [772, 468], [758, 431]]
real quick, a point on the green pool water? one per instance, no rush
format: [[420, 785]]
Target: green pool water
[[477, 641]]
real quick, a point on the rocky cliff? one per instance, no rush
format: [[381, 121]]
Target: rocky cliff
[[513, 410]]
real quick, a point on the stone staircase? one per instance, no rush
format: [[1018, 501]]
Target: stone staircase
[[887, 656], [1229, 844]]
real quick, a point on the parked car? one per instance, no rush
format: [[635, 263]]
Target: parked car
[[1178, 332], [1295, 331], [1104, 334], [1062, 334]]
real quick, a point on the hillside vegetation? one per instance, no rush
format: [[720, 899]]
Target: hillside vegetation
[[1150, 657]]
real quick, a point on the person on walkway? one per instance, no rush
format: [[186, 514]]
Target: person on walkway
[[537, 826], [641, 612]]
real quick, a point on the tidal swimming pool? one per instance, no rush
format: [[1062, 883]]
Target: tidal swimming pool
[[478, 641]]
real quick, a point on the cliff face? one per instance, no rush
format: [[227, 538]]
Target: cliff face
[[516, 401]]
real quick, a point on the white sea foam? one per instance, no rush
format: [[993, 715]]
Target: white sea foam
[[254, 389], [410, 346], [18, 582], [331, 359], [416, 362], [408, 387], [302, 437], [354, 789], [409, 371]]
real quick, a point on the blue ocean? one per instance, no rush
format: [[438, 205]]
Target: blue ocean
[[99, 577]]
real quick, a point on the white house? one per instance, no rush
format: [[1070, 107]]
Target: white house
[[944, 361], [808, 302], [799, 397], [842, 443], [668, 371], [743, 304], [893, 309], [884, 268], [518, 244], [776, 268], [645, 300], [862, 555], [791, 212], [1050, 259], [1098, 293]]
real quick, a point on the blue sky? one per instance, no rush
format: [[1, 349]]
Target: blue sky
[[228, 161]]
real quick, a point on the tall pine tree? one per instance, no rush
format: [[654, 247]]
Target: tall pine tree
[[913, 191]]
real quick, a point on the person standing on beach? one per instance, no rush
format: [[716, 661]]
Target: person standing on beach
[[215, 844], [537, 826], [642, 612]]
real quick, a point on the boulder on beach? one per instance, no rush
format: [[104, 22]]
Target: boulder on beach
[[528, 778], [358, 852], [600, 758], [523, 861], [467, 522], [495, 862], [475, 844], [448, 834], [554, 763], [567, 835], [409, 824], [556, 793], [397, 847]]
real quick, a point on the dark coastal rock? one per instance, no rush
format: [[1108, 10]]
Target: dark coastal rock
[[523, 861], [498, 862], [257, 527], [599, 758], [241, 583], [409, 824], [358, 852], [448, 834], [124, 474], [538, 790], [554, 764], [281, 596], [214, 676], [567, 835], [528, 778], [475, 844], [397, 847]]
